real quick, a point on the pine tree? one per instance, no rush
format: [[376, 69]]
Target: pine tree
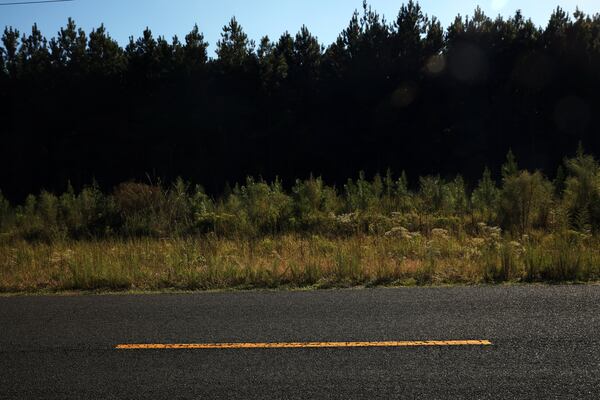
[[408, 29], [525, 200], [143, 57], [485, 196], [4, 211], [69, 48], [272, 63], [582, 190], [306, 55], [559, 181], [33, 56], [234, 48], [389, 183], [510, 167], [458, 196], [105, 55], [195, 51], [402, 186], [11, 40]]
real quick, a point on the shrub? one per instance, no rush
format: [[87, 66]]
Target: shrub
[[485, 196], [456, 199], [87, 214], [267, 207], [4, 211], [432, 193], [525, 202], [315, 205], [362, 195], [581, 195], [141, 209], [204, 211]]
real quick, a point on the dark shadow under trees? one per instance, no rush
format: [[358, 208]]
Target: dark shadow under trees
[[405, 94]]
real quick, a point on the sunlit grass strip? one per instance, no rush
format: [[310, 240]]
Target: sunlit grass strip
[[303, 345], [295, 261]]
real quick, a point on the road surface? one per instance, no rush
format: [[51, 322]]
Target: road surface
[[544, 344]]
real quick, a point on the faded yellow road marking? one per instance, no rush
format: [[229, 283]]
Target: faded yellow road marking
[[299, 345]]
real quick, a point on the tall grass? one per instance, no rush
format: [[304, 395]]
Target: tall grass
[[293, 261]]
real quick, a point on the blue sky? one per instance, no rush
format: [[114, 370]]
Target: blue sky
[[324, 18]]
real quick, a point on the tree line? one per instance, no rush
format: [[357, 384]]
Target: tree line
[[405, 94]]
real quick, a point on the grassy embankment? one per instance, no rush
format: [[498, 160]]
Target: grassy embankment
[[527, 228], [400, 258]]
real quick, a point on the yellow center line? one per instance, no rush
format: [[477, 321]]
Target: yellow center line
[[300, 345]]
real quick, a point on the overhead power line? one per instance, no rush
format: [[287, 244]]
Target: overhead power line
[[22, 3]]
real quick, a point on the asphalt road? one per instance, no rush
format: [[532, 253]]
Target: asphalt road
[[545, 345]]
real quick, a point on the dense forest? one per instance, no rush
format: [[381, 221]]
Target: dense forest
[[405, 94]]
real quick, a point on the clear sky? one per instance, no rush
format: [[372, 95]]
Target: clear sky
[[324, 18]]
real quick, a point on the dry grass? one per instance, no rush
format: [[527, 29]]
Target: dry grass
[[397, 258]]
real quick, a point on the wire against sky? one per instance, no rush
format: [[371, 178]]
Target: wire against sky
[[22, 3]]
